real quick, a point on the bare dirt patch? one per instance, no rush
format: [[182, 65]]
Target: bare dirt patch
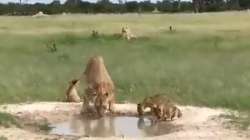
[[197, 122]]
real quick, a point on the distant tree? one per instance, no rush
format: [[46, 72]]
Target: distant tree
[[179, 5], [198, 5], [72, 2], [86, 7], [214, 5], [165, 6], [233, 4], [186, 6], [106, 6], [146, 6], [72, 6], [55, 7], [121, 6], [120, 2], [245, 4], [103, 1], [55, 2], [132, 6], [175, 6]]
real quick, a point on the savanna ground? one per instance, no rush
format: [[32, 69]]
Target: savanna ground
[[205, 62]]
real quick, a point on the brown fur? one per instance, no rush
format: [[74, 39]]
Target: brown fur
[[151, 102], [99, 84], [103, 103], [171, 28], [140, 109], [95, 33], [96, 73], [88, 99], [127, 34], [167, 111], [71, 93]]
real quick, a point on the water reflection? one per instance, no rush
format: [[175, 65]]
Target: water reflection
[[112, 126], [156, 129]]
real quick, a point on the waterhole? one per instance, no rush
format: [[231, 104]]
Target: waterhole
[[112, 126]]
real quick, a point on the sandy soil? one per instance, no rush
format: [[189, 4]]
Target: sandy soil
[[199, 123]]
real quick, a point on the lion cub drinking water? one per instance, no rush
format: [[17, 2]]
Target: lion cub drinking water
[[166, 111], [160, 106], [151, 102]]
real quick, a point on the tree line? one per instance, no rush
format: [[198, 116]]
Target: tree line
[[106, 6]]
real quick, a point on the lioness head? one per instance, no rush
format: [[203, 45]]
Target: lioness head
[[102, 103]]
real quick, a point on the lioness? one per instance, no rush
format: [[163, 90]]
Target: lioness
[[100, 87], [101, 99], [104, 102]]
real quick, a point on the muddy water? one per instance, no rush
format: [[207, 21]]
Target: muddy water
[[112, 126]]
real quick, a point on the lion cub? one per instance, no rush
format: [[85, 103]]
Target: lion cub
[[71, 93], [166, 111], [151, 102], [95, 33], [161, 107], [127, 34]]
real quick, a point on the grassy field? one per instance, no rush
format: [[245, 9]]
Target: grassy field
[[204, 62]]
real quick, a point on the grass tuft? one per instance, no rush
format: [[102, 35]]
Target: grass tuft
[[7, 120]]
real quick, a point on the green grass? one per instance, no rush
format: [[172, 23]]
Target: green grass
[[3, 138], [44, 127], [241, 121], [7, 120], [205, 62]]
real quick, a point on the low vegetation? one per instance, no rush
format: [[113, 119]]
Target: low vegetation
[[7, 120], [3, 138], [204, 62], [44, 127], [241, 121]]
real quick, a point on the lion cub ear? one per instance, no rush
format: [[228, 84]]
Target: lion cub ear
[[74, 81]]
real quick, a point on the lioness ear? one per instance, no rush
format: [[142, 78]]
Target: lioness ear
[[106, 94], [154, 106]]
